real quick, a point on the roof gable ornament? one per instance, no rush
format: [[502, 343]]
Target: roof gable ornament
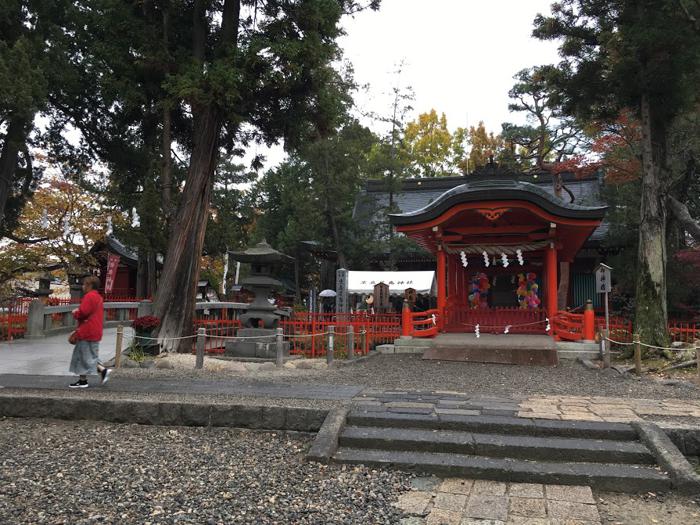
[[492, 214]]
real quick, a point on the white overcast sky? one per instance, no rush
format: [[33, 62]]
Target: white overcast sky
[[460, 56]]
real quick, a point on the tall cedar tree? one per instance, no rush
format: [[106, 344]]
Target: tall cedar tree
[[642, 55], [268, 70]]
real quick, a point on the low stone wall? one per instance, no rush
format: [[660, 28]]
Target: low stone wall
[[166, 413]]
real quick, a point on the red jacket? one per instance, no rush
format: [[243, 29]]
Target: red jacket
[[90, 316]]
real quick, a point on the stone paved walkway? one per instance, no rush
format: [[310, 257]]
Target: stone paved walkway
[[50, 355], [578, 408], [457, 501]]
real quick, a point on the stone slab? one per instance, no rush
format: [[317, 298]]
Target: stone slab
[[326, 442]]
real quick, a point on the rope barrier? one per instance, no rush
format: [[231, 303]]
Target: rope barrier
[[672, 349]]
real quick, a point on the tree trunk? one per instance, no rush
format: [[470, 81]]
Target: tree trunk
[[14, 142], [651, 316], [177, 289], [175, 300]]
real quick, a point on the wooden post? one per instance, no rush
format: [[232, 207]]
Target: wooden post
[[589, 322], [637, 355], [329, 351], [118, 347], [551, 275], [280, 348], [606, 349], [201, 342], [441, 292], [351, 343]]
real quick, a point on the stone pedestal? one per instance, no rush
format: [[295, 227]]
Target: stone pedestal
[[264, 345]]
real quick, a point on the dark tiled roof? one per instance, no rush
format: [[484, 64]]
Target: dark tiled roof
[[371, 206]]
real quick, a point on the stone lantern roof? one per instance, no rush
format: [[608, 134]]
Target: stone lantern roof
[[261, 253]]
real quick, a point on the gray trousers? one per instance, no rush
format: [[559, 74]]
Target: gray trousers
[[84, 360]]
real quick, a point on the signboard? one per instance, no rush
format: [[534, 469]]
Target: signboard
[[112, 266], [381, 297], [603, 282], [341, 289]]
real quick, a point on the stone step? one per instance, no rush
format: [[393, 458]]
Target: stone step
[[487, 354], [423, 342], [574, 350], [609, 477], [494, 425], [496, 445]]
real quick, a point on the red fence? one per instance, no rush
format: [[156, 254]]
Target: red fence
[[308, 332], [13, 318], [495, 320]]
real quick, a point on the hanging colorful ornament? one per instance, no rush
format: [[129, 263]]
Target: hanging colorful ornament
[[486, 259], [504, 260], [476, 331], [548, 327], [519, 255], [507, 329], [463, 256], [434, 318]]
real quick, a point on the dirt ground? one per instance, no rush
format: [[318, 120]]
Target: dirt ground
[[648, 509]]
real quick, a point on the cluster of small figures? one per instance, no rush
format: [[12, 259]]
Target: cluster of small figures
[[527, 291]]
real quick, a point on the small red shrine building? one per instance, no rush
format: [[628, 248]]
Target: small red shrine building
[[506, 230]]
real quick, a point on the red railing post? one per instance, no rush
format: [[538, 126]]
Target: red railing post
[[589, 322], [406, 320]]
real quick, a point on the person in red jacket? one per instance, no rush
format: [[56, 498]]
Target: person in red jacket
[[87, 337]]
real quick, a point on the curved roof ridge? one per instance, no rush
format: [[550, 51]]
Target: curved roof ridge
[[498, 190]]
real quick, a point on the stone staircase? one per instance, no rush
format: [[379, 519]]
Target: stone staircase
[[608, 456]]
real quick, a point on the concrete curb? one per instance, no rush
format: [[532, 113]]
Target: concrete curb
[[166, 413], [326, 442], [683, 477]]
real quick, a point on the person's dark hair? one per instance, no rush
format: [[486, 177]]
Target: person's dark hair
[[93, 281]]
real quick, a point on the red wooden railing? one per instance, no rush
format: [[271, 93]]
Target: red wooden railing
[[495, 320], [308, 332]]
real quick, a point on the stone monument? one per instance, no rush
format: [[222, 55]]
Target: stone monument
[[262, 318]]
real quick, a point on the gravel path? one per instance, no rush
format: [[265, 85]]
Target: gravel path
[[82, 473], [409, 372]]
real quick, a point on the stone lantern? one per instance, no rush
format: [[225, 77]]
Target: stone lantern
[[262, 317]]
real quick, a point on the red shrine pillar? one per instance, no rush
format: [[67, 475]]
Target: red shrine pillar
[[441, 291], [550, 264]]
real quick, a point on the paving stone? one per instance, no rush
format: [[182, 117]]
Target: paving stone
[[447, 501], [566, 510], [575, 522], [528, 507], [459, 411], [409, 410], [572, 493], [580, 417], [526, 490], [538, 415], [425, 483], [457, 486], [444, 517], [484, 487], [522, 520], [400, 404], [412, 520], [414, 502], [487, 507], [499, 412], [477, 521]]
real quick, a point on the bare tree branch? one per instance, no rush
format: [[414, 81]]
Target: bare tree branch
[[682, 215]]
